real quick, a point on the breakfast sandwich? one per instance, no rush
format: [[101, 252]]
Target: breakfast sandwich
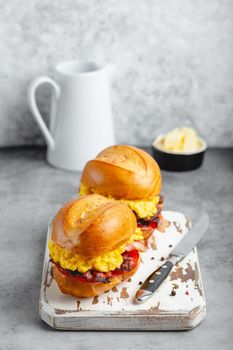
[[92, 245], [130, 175]]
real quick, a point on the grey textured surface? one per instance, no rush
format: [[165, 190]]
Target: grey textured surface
[[174, 62], [31, 192]]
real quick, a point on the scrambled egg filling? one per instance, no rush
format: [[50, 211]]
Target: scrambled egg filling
[[103, 263], [84, 190], [144, 208]]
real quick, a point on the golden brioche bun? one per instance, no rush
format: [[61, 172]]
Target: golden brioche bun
[[93, 225], [123, 172], [78, 289]]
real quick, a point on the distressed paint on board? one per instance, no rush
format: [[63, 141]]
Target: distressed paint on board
[[179, 304]]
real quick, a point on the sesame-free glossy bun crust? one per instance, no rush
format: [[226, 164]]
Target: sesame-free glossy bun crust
[[93, 225], [69, 285], [123, 172]]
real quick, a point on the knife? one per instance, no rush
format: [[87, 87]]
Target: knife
[[154, 281]]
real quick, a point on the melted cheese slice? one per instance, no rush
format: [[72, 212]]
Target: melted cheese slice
[[103, 263], [144, 208]]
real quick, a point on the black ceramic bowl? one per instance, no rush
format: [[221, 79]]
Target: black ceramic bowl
[[174, 161]]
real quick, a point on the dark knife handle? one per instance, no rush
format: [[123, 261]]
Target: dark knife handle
[[154, 281]]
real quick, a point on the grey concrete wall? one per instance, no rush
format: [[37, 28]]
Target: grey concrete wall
[[174, 62]]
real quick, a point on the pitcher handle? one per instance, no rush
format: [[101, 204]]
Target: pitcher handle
[[34, 109]]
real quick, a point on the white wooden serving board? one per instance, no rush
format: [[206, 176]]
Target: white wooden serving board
[[115, 309]]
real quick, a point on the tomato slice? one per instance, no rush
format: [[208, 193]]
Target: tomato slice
[[68, 273], [133, 255], [151, 224]]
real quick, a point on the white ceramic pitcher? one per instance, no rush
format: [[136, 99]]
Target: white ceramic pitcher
[[81, 122]]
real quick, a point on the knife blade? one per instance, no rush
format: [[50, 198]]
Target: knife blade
[[190, 240]]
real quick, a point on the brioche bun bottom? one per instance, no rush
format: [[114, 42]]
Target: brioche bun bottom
[[147, 232], [68, 285]]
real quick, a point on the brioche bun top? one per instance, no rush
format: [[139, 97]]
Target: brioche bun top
[[93, 225], [123, 172]]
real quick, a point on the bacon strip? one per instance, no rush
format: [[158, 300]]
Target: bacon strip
[[141, 246]]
